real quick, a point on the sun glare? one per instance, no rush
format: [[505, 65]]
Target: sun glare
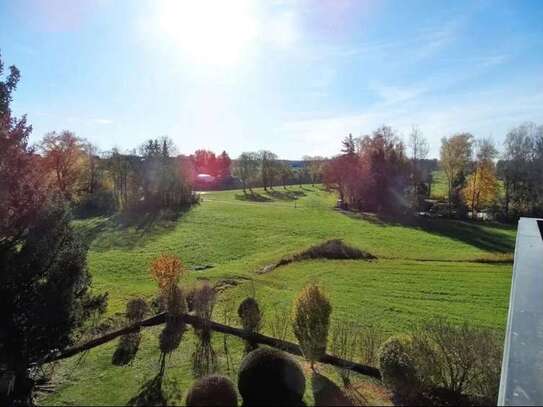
[[213, 32]]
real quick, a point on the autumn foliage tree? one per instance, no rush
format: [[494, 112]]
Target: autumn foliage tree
[[207, 162], [482, 184], [371, 174], [63, 160], [455, 158]]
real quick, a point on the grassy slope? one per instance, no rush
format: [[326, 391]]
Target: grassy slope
[[421, 271]]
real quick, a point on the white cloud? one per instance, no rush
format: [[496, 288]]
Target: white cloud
[[103, 121], [490, 113]]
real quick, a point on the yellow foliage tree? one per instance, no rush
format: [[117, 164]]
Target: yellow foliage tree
[[481, 187]]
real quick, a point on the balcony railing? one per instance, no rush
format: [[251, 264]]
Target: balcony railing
[[522, 367]]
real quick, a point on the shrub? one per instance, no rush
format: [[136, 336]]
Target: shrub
[[249, 314], [461, 359], [214, 390], [171, 335], [203, 300], [311, 321], [166, 270], [334, 249], [270, 377], [204, 358], [487, 380], [279, 323], [344, 344], [251, 319], [136, 309], [397, 367], [369, 340]]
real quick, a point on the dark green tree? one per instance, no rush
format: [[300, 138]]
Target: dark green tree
[[44, 282], [44, 295]]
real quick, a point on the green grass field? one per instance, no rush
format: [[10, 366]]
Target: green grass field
[[439, 185], [431, 267]]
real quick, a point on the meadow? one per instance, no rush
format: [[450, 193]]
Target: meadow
[[423, 268]]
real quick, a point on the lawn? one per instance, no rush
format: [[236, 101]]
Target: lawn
[[424, 268]]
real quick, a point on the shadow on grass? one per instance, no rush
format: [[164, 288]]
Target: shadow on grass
[[150, 394], [492, 237], [252, 197], [126, 231], [286, 194], [271, 195], [327, 393]]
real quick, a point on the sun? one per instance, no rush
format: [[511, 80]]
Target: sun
[[215, 32]]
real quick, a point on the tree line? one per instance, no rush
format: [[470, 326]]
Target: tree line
[[265, 169], [150, 178], [375, 173], [380, 173]]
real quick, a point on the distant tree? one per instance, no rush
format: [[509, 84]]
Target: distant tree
[[482, 185], [455, 158], [520, 169], [315, 167], [302, 175], [223, 165], [418, 149], [372, 172], [349, 145], [119, 170], [383, 160], [418, 145], [205, 161], [339, 174], [91, 170], [285, 173], [163, 181], [246, 169], [63, 158], [481, 188], [268, 168]]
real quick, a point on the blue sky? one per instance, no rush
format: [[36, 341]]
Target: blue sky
[[293, 77]]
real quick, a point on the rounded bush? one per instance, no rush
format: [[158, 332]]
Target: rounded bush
[[311, 321], [270, 377], [213, 390], [397, 367]]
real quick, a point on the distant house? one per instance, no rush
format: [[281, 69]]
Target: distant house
[[205, 178]]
